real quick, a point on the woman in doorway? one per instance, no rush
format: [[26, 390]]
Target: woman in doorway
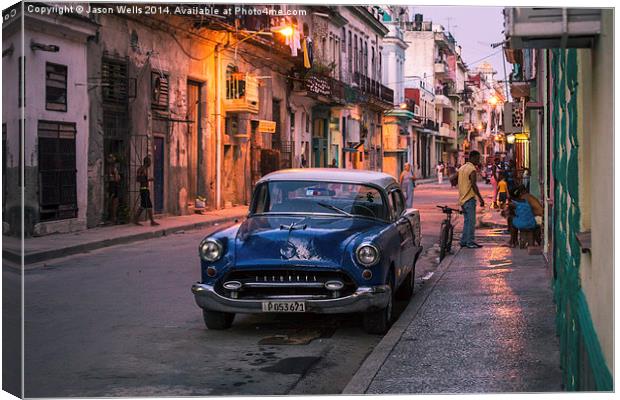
[[407, 183]]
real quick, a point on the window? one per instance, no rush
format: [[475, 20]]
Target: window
[[350, 55], [374, 66], [57, 170], [308, 197], [366, 59], [398, 202], [55, 87], [114, 82], [355, 54], [21, 96], [159, 91]]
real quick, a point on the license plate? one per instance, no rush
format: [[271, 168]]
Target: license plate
[[284, 306]]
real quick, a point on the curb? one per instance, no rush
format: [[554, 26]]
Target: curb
[[362, 379], [85, 247]]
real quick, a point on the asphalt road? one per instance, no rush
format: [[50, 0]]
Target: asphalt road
[[121, 321]]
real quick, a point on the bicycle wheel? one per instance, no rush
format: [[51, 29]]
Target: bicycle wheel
[[443, 241], [450, 237]]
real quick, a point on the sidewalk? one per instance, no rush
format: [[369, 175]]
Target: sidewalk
[[483, 323], [53, 246]]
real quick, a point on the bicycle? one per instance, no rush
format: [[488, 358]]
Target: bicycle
[[447, 231]]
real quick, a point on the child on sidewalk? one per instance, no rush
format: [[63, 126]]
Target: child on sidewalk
[[502, 191], [524, 212]]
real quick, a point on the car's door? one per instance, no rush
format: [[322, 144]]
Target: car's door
[[405, 233]]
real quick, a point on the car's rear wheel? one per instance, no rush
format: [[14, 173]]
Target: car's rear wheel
[[216, 320], [379, 321]]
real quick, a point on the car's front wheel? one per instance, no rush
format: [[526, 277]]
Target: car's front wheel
[[216, 320], [379, 321], [405, 291]]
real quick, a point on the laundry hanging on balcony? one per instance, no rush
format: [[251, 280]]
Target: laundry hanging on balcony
[[294, 42], [308, 52]]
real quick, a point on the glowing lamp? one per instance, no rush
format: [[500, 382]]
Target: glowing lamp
[[284, 30]]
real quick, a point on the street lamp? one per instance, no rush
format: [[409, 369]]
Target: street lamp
[[493, 100], [283, 30], [510, 139]]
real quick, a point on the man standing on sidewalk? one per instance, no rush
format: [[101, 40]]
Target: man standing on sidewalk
[[468, 192]]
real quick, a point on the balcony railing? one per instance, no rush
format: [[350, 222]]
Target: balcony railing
[[387, 94], [373, 88], [241, 93], [432, 125], [327, 87]]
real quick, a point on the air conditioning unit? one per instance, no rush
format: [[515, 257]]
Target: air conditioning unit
[[551, 27]]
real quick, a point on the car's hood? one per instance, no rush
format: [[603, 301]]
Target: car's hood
[[299, 240]]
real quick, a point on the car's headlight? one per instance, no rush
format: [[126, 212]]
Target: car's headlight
[[367, 255], [211, 250]]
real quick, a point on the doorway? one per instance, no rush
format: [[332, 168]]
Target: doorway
[[158, 174], [195, 170]]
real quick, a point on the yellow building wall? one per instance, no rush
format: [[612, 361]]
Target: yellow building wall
[[596, 182]]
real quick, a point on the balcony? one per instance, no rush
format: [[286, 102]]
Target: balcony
[[222, 20], [374, 89], [551, 27], [241, 93], [441, 68], [321, 87], [446, 131]]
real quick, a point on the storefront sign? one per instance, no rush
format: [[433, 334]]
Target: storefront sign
[[266, 126]]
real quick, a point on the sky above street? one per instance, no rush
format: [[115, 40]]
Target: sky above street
[[474, 28]]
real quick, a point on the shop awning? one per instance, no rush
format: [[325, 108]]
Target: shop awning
[[400, 113]]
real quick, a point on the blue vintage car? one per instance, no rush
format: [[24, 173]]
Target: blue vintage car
[[315, 241]]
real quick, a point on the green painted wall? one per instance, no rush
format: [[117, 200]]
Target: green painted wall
[[583, 363]]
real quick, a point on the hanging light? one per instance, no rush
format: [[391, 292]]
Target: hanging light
[[510, 139], [284, 30]]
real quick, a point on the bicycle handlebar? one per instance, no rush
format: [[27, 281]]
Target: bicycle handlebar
[[447, 209]]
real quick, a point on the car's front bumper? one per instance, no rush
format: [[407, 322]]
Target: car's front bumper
[[364, 299]]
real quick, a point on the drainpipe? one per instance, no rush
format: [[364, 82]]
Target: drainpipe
[[218, 130]]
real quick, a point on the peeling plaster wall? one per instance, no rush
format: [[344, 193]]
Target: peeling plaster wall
[[10, 118], [72, 52], [158, 51]]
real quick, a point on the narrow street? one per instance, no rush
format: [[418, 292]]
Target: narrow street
[[121, 321]]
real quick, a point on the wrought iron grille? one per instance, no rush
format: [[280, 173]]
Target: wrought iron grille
[[57, 170]]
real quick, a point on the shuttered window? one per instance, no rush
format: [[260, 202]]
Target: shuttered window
[[160, 91], [57, 170], [55, 87]]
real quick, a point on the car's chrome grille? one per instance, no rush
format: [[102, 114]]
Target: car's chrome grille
[[257, 284]]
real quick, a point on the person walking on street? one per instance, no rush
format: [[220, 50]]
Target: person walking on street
[[407, 183], [495, 174], [468, 192], [439, 168], [145, 194]]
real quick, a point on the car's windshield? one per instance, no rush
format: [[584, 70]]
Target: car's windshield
[[346, 199]]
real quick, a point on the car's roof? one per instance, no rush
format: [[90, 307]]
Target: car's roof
[[331, 175]]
